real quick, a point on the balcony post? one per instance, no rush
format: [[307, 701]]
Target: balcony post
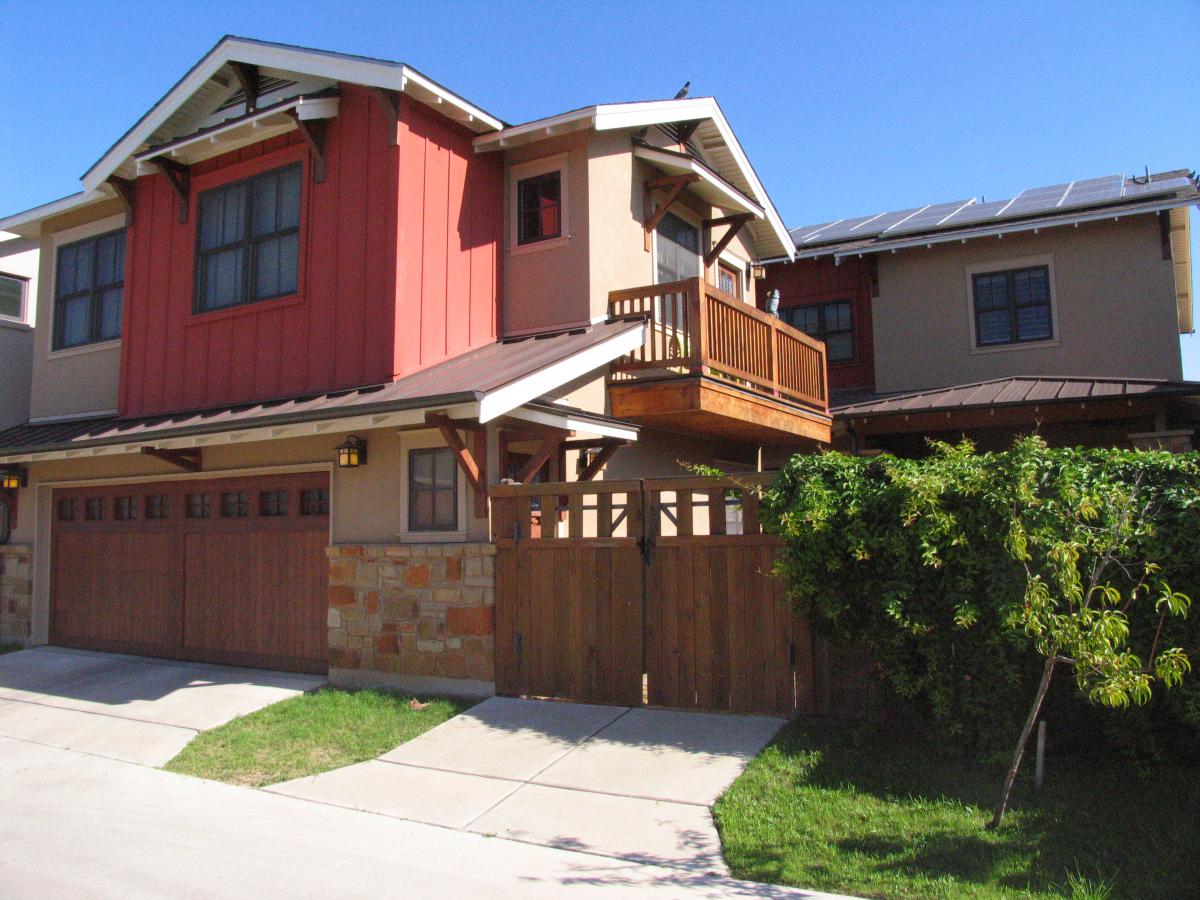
[[698, 326]]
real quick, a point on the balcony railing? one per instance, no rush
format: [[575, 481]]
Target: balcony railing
[[696, 329]]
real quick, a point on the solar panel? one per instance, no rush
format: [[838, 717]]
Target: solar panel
[[1033, 202], [927, 219]]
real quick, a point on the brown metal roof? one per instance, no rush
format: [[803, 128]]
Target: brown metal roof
[[1013, 392], [463, 379]]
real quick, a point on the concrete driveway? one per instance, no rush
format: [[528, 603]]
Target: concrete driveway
[[128, 707], [633, 784]]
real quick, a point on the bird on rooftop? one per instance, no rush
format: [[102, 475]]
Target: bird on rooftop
[[683, 91]]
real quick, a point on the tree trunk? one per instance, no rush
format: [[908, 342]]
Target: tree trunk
[[1030, 721]]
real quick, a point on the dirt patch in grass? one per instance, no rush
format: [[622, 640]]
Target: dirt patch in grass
[[308, 734], [873, 813]]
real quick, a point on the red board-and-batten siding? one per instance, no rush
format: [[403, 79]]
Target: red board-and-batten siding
[[809, 281], [399, 268]]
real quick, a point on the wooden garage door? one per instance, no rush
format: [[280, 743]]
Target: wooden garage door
[[223, 570]]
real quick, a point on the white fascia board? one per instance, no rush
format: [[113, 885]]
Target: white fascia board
[[374, 73], [655, 112], [537, 384], [306, 108], [28, 223], [570, 420], [736, 199], [539, 128], [949, 237]]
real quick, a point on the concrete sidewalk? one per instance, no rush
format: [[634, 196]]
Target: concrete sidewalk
[[128, 707], [631, 784], [81, 825]]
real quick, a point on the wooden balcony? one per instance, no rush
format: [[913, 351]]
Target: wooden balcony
[[712, 365]]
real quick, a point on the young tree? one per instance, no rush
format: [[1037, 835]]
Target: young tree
[[1079, 539]]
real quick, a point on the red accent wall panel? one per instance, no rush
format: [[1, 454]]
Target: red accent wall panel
[[450, 216], [811, 281], [399, 250]]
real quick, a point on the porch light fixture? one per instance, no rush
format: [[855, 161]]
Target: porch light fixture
[[12, 478], [758, 271], [353, 453]]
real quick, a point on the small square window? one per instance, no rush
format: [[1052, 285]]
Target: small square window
[[123, 508], [235, 505], [12, 297], [273, 503], [432, 490], [314, 502], [66, 510], [93, 509], [199, 506], [539, 208], [156, 506]]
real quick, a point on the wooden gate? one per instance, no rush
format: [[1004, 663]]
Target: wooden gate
[[655, 591]]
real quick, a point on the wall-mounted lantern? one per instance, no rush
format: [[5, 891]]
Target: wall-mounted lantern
[[13, 477], [352, 453]]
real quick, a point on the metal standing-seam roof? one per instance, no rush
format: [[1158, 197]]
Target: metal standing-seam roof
[[471, 377], [1016, 391]]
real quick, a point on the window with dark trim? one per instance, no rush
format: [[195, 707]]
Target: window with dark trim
[[1012, 307], [93, 509], [123, 509], [235, 505], [89, 290], [432, 490], [314, 502], [729, 280], [273, 503], [539, 208], [12, 296], [832, 323], [199, 506], [66, 510], [156, 506], [248, 240]]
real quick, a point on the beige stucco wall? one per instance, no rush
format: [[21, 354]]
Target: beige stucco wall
[[546, 285], [1113, 293], [18, 256], [82, 379]]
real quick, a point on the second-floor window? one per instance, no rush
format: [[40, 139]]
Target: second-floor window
[[1012, 307], [539, 208], [832, 323], [248, 240], [729, 280], [12, 297], [89, 289]]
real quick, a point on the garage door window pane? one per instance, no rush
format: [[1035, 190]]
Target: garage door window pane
[[66, 510], [199, 506], [235, 504], [314, 502], [156, 506], [123, 508], [273, 503], [93, 509]]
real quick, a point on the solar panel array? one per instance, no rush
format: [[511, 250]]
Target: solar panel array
[[1033, 202]]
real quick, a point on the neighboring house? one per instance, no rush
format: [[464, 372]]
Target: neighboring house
[[1058, 311], [311, 306], [18, 303]]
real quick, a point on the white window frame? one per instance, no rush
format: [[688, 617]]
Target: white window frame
[[22, 316], [532, 169], [1003, 265], [427, 440]]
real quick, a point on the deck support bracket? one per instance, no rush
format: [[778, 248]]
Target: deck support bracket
[[179, 177], [126, 190], [472, 464], [188, 460], [548, 447], [735, 223], [247, 76], [673, 185], [313, 133], [607, 447], [389, 101]]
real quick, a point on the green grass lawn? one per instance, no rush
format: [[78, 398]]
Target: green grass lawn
[[876, 813], [308, 734]]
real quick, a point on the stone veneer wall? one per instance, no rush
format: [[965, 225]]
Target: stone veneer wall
[[16, 593], [412, 615]]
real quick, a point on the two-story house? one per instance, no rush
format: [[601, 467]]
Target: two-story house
[[1058, 311], [310, 306]]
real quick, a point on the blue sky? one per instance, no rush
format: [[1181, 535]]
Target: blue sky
[[845, 109]]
